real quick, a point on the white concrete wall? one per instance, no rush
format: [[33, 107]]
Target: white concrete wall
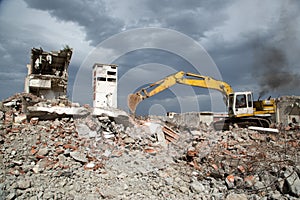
[[105, 81]]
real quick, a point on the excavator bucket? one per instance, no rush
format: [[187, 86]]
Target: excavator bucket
[[133, 100]]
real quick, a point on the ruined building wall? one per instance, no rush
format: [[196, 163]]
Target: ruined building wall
[[288, 110], [105, 80], [48, 73]]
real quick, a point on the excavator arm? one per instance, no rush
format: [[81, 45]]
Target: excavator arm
[[181, 78]]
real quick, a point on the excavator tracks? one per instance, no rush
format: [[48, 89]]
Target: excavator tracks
[[241, 122]]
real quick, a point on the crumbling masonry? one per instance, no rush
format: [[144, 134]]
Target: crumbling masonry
[[48, 73], [288, 110]]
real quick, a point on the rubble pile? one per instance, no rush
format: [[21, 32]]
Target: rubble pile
[[248, 161], [102, 157]]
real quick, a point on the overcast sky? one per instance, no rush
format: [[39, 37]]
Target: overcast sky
[[252, 45]]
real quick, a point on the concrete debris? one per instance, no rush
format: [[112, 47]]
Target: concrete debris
[[161, 138], [119, 116], [79, 156], [83, 130], [21, 118], [129, 140], [236, 196], [197, 187], [43, 151], [292, 183], [57, 111], [23, 107], [108, 154], [23, 184]]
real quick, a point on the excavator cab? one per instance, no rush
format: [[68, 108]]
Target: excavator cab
[[240, 104]]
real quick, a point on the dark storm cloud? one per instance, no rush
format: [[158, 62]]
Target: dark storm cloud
[[192, 18], [14, 55], [91, 15], [277, 62], [101, 20]]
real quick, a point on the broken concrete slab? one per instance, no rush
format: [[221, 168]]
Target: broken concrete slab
[[129, 140], [78, 156], [161, 137], [153, 126], [43, 151], [82, 130], [55, 112], [20, 118], [23, 184], [292, 183], [119, 116], [111, 112]]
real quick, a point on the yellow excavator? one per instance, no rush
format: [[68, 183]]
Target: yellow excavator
[[242, 110]]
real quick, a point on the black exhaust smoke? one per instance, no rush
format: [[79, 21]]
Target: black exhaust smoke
[[273, 72]]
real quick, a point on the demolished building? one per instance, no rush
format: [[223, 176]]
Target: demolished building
[[48, 73], [288, 110]]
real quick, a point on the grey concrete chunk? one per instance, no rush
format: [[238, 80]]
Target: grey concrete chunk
[[78, 156], [236, 196], [293, 183], [129, 140], [43, 151], [23, 184], [197, 187]]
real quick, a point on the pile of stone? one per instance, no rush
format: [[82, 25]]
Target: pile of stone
[[113, 156], [247, 161]]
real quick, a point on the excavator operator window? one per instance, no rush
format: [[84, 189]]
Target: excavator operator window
[[230, 103], [240, 101], [249, 100]]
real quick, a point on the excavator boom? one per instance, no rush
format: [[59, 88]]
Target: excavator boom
[[181, 78]]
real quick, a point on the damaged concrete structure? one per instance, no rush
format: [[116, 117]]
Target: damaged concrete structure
[[48, 73], [189, 119], [288, 110], [105, 85]]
